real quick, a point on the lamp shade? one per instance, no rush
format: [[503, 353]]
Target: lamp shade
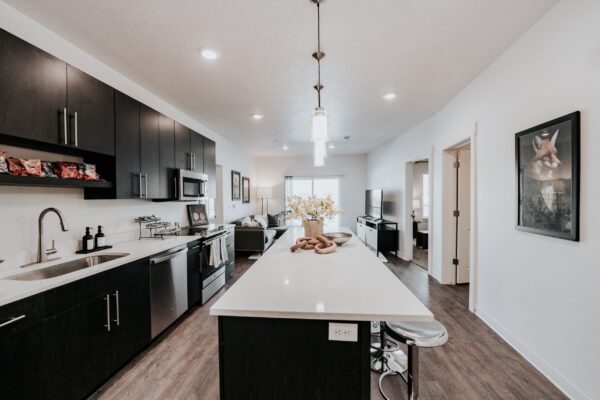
[[264, 192], [416, 204], [319, 126]]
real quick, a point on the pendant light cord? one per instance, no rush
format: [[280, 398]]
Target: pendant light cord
[[319, 52]]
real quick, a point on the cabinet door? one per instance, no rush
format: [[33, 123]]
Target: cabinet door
[[33, 91], [79, 350], [21, 349], [91, 107], [197, 151], [371, 235], [210, 167], [194, 262], [149, 152], [166, 156], [132, 323], [127, 130], [360, 231], [182, 147]]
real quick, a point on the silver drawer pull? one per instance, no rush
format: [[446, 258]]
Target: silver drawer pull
[[12, 320], [107, 299], [117, 308]]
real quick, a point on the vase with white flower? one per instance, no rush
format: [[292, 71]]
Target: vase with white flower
[[312, 211]]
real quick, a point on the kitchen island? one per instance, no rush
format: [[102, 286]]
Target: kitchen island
[[297, 325]]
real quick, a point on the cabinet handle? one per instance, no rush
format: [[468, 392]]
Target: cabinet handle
[[107, 326], [140, 178], [117, 309], [190, 161], [12, 320], [146, 186], [65, 125], [75, 128]]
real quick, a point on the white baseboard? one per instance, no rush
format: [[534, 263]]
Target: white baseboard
[[550, 372]]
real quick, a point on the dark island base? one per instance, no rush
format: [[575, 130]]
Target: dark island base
[[288, 359]]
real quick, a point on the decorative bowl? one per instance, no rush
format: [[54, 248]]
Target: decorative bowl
[[338, 238]]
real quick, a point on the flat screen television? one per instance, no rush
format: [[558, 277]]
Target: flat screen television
[[374, 203]]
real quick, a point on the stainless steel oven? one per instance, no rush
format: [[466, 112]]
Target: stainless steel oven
[[190, 185], [213, 276]]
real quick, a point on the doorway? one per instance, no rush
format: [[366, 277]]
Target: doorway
[[457, 205], [420, 215]]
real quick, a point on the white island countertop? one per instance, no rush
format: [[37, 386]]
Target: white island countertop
[[351, 284]]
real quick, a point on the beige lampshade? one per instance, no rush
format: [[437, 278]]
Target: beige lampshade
[[264, 192], [416, 204]]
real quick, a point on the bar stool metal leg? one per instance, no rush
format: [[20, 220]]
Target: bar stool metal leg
[[412, 375]]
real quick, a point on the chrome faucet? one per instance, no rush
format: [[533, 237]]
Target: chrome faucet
[[42, 255]]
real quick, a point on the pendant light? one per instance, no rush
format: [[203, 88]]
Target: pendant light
[[320, 133]]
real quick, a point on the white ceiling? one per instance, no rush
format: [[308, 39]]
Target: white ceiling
[[424, 50]]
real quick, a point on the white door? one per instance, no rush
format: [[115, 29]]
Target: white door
[[464, 219]]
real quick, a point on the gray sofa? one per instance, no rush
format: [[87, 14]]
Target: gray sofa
[[255, 239]]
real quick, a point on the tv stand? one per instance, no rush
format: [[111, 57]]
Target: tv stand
[[379, 234]]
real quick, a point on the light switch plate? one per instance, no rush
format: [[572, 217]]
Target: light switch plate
[[343, 332]]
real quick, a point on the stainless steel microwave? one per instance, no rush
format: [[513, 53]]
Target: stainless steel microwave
[[190, 185]]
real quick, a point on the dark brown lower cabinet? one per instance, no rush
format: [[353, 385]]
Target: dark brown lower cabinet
[[21, 368], [293, 359], [79, 350], [76, 336]]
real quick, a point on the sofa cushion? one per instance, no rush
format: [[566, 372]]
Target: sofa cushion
[[274, 220], [262, 220]]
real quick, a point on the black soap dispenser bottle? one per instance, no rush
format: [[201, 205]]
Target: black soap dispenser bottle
[[88, 240], [100, 239]]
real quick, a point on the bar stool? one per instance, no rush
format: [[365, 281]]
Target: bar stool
[[413, 335]]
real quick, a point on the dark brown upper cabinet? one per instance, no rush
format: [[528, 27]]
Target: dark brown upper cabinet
[[197, 152], [91, 109], [183, 158], [128, 176], [210, 166], [149, 152], [166, 157], [46, 100], [33, 94]]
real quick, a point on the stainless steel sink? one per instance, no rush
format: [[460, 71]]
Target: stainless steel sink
[[66, 267]]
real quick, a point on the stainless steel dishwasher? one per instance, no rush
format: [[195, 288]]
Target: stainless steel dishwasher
[[168, 288]]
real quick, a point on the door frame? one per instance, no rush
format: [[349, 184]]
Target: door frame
[[408, 223], [448, 219]]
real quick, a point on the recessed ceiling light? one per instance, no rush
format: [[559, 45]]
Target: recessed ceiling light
[[285, 147], [209, 54], [331, 146], [389, 96], [257, 117]]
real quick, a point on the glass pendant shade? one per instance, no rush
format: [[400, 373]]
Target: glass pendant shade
[[319, 126], [319, 153]]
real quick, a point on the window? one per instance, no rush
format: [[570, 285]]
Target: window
[[314, 186], [425, 195]]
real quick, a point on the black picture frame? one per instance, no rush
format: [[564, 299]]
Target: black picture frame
[[548, 178], [236, 185], [245, 189], [197, 214]]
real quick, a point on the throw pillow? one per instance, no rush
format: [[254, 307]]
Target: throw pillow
[[262, 221], [273, 220], [246, 221]]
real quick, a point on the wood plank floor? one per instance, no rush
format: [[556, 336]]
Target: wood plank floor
[[475, 363]]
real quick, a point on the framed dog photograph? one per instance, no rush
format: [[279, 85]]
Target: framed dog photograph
[[548, 167]]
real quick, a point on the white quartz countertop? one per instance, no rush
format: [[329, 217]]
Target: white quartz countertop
[[350, 284], [12, 290]]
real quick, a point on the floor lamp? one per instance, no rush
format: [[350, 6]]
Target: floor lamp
[[264, 192]]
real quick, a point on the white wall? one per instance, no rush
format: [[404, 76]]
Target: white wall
[[541, 294], [21, 206], [271, 171]]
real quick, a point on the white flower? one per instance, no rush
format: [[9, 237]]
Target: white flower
[[311, 208]]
